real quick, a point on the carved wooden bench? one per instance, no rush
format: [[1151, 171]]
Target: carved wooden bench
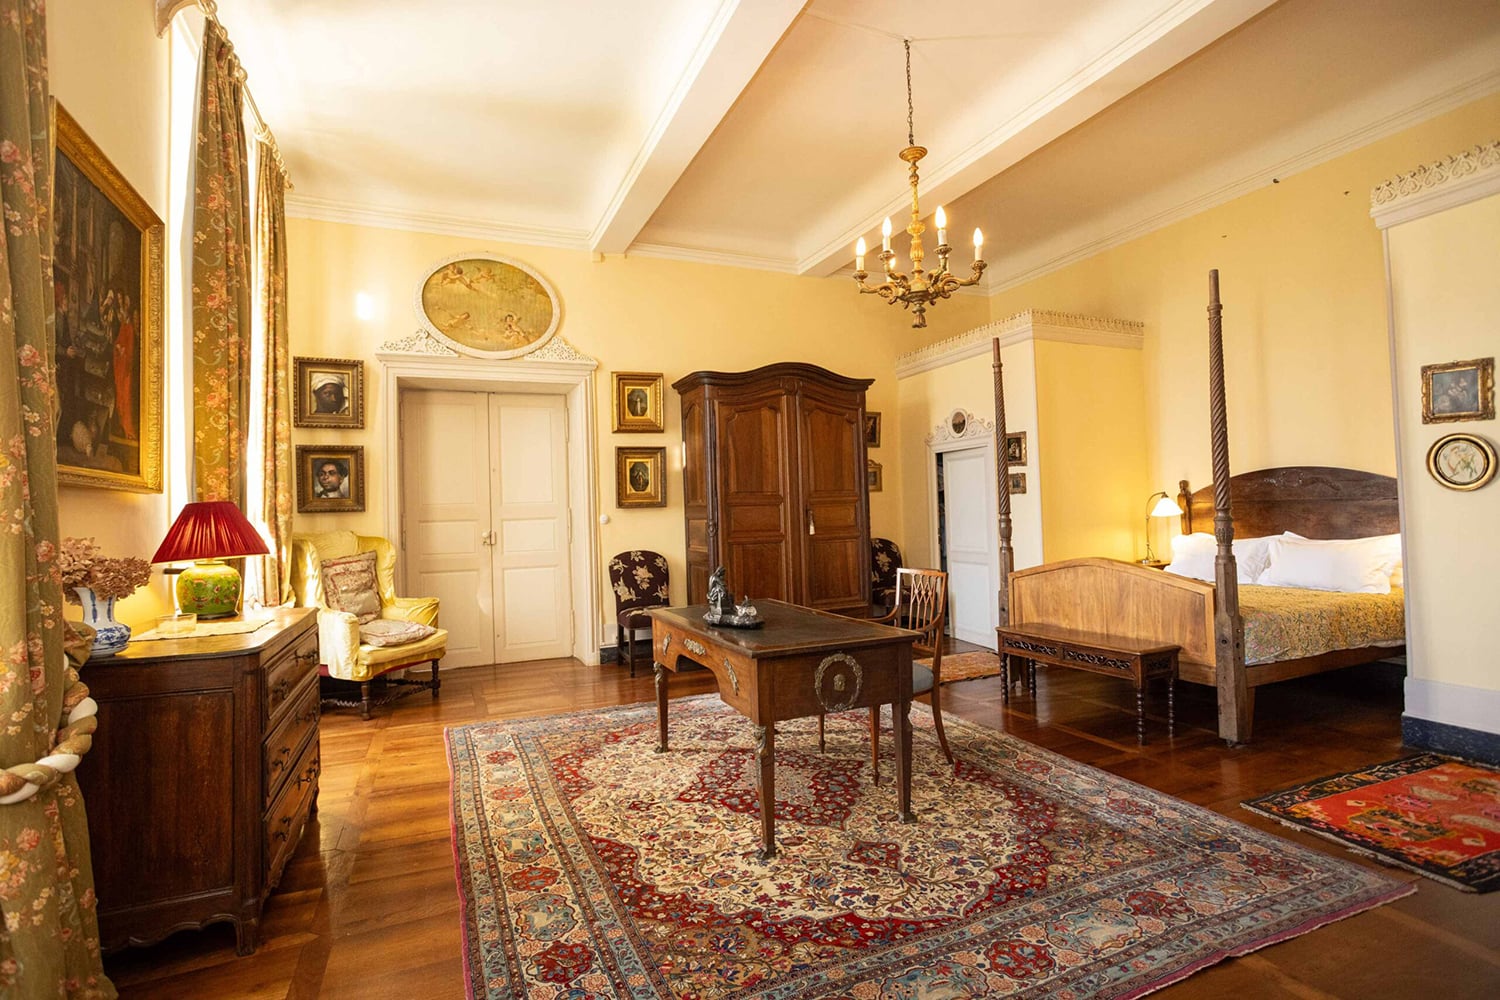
[[1138, 660]]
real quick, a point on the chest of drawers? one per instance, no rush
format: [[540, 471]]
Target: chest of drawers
[[202, 777]]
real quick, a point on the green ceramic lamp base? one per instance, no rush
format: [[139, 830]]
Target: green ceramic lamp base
[[209, 588]]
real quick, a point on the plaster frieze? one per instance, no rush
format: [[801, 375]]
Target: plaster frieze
[[1029, 324], [1433, 187]]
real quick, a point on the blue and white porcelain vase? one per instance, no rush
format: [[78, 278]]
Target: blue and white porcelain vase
[[110, 636]]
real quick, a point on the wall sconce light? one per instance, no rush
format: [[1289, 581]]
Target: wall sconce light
[[1158, 504]]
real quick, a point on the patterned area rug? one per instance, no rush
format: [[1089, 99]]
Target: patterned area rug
[[589, 866], [1434, 815], [967, 666]]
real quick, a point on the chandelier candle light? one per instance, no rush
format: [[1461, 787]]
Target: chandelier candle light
[[919, 289]]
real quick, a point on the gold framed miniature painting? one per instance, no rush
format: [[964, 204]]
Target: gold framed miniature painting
[[1458, 390], [638, 402], [640, 477]]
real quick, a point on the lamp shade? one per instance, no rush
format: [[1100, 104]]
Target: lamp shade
[[1166, 507], [210, 529]]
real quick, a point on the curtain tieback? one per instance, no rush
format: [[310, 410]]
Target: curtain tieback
[[73, 740]]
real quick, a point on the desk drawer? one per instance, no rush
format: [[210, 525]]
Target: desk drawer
[[284, 674], [281, 746], [289, 814]]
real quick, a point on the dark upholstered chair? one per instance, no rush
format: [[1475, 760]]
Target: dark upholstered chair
[[640, 582], [885, 559]]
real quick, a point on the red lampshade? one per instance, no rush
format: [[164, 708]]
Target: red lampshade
[[211, 529]]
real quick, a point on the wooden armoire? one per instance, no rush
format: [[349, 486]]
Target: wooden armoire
[[774, 485]]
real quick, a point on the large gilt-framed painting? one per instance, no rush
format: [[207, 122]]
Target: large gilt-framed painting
[[107, 286], [488, 306]]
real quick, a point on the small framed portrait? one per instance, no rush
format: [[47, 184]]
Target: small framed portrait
[[1458, 390], [874, 476], [872, 428], [640, 477], [958, 422], [638, 407], [330, 392], [1461, 461], [330, 478], [1017, 483], [1015, 448]]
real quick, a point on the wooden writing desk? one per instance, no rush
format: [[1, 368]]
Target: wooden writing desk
[[803, 662]]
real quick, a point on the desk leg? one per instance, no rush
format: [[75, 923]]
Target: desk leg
[[661, 707], [901, 723], [765, 779]]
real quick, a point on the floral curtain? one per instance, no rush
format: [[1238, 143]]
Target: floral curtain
[[49, 942], [270, 232], [221, 276]]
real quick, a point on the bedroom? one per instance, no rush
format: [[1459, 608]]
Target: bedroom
[[1304, 275]]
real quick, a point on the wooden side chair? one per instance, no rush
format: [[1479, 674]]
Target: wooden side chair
[[640, 581], [922, 606]]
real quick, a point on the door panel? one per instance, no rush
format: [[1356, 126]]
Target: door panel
[[969, 533], [754, 472], [446, 506], [836, 571]]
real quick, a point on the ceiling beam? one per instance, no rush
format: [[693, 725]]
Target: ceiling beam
[[1156, 46], [738, 41]]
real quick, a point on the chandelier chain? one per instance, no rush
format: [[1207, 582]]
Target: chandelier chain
[[911, 135]]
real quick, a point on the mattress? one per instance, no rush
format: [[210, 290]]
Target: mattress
[[1289, 623]]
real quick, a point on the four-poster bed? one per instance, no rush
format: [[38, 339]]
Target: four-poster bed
[[1208, 619]]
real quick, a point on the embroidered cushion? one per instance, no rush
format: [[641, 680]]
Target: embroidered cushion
[[382, 632], [349, 584]]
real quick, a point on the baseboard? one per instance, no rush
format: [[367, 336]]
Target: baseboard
[[1439, 737], [609, 654]]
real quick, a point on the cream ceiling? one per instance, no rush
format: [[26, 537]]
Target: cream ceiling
[[764, 133]]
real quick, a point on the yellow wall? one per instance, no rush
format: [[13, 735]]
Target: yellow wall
[[1444, 302], [632, 314], [1091, 450], [1302, 279], [108, 68]]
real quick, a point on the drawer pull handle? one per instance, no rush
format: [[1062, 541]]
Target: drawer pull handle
[[280, 688], [310, 655], [286, 828]]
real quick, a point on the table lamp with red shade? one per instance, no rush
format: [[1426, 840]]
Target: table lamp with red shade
[[209, 532]]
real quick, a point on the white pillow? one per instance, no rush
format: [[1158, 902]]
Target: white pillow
[[1193, 556], [1348, 565]]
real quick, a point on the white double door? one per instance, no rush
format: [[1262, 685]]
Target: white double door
[[485, 512]]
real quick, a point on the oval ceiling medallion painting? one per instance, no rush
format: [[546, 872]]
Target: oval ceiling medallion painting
[[488, 306]]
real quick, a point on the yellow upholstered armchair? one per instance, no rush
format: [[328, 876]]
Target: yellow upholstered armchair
[[361, 653]]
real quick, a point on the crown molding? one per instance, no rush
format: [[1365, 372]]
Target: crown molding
[[726, 258], [1031, 324], [1433, 187], [327, 210]]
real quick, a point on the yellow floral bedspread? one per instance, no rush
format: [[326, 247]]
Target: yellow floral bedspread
[[1288, 623]]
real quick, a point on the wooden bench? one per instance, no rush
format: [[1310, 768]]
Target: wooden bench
[[1114, 656]]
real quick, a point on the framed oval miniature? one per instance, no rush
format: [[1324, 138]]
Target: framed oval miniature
[[1461, 461], [488, 306]]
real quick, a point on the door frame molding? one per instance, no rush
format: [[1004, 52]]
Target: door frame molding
[[420, 362], [979, 433]]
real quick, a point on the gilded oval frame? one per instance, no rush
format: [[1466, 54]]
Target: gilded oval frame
[[490, 336]]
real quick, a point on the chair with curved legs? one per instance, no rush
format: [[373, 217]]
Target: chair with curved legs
[[922, 606], [640, 581]]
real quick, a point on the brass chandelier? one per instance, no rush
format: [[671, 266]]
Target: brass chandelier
[[919, 289]]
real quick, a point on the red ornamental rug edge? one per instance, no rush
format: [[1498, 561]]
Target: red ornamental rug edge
[[482, 931], [1276, 805]]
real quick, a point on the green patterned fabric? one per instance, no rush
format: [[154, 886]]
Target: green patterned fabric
[[276, 468], [1289, 623], [49, 942], [221, 276]]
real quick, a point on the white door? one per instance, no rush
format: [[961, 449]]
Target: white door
[[969, 532], [484, 485]]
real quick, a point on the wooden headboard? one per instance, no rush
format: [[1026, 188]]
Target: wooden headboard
[[1315, 501]]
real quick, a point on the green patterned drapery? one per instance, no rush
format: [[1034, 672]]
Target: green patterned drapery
[[270, 233], [49, 941], [221, 276]]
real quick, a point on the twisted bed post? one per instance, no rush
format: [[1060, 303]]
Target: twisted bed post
[[1002, 469], [1229, 628]]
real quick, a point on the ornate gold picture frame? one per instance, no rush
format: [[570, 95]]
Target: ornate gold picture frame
[[640, 477], [1458, 390], [1461, 461], [638, 402], [1015, 448], [107, 287], [486, 306], [872, 428], [330, 393], [330, 478], [874, 476]]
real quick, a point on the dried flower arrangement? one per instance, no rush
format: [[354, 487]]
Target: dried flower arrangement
[[83, 566]]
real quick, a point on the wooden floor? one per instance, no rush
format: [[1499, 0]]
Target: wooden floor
[[368, 908]]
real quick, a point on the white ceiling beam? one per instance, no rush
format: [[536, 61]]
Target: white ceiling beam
[[1158, 45], [732, 51]]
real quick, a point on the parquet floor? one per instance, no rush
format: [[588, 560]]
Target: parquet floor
[[368, 907]]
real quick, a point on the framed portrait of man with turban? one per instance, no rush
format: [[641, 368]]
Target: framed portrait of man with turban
[[330, 392]]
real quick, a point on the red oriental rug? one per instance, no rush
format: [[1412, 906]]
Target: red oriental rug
[[1434, 815], [589, 866]]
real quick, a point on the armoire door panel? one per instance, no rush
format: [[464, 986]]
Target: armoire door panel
[[831, 564], [836, 570], [758, 569], [753, 494], [753, 445], [756, 519], [694, 440]]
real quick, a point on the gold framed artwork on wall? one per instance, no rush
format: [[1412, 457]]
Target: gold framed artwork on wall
[[107, 277], [1017, 483], [330, 393], [330, 478], [640, 477], [874, 476], [638, 402], [872, 428], [1458, 390], [487, 306], [1015, 448], [1461, 461]]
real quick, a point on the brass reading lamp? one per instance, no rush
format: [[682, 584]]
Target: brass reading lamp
[[1163, 506]]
